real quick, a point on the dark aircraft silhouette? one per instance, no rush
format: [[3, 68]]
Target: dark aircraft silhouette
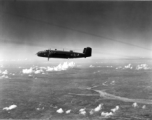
[[65, 54]]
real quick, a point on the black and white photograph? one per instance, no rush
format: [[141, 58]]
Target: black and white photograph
[[76, 59]]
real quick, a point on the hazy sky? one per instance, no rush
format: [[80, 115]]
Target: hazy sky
[[28, 27]]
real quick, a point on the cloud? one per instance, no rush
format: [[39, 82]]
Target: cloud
[[119, 67], [5, 72], [142, 66], [43, 68], [135, 105], [106, 114], [91, 66], [49, 69], [27, 71], [82, 111], [144, 107], [128, 66], [115, 109], [105, 83], [35, 70], [60, 110], [138, 67], [1, 65], [38, 108], [61, 67], [97, 109], [68, 111], [113, 82], [3, 76], [10, 107], [71, 64], [38, 70], [91, 111], [109, 66]]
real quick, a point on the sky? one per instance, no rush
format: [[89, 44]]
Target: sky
[[114, 29]]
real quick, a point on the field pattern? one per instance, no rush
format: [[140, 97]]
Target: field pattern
[[106, 91]]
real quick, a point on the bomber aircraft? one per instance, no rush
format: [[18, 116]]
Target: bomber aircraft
[[65, 54]]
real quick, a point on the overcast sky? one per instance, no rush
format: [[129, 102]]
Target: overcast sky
[[28, 27]]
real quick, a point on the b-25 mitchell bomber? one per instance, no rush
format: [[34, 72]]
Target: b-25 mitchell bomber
[[65, 54]]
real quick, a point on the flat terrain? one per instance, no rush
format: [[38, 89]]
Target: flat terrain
[[41, 95]]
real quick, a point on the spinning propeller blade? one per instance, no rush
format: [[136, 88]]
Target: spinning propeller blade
[[49, 54]]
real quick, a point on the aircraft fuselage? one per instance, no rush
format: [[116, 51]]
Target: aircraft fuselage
[[65, 54], [60, 54]]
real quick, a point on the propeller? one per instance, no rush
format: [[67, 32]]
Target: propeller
[[49, 54]]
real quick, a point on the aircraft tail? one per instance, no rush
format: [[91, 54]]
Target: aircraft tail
[[87, 51]]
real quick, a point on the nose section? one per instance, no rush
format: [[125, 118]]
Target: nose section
[[38, 53]]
